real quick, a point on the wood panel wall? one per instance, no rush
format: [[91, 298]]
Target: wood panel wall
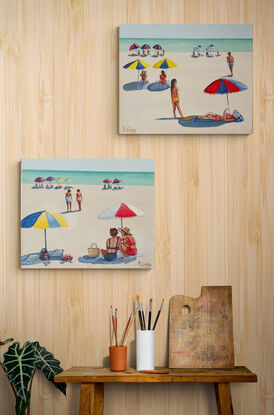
[[213, 198]]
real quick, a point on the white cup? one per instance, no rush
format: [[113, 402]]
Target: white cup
[[144, 350]]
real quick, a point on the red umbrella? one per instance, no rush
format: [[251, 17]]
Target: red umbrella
[[134, 46], [225, 86], [123, 210], [39, 180], [107, 181]]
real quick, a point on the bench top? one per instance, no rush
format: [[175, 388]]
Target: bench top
[[91, 374]]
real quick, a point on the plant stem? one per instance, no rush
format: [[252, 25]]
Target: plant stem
[[30, 386]]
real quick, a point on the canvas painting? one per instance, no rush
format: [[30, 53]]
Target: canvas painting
[[89, 213], [185, 79]]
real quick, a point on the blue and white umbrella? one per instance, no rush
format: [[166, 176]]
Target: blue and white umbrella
[[199, 49], [211, 48]]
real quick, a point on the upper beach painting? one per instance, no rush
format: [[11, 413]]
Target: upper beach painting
[[185, 79], [88, 213]]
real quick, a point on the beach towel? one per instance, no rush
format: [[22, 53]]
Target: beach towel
[[34, 258], [101, 260], [157, 86], [135, 86], [193, 121]]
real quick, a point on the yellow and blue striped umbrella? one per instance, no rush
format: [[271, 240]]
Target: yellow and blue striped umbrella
[[137, 64], [164, 64], [44, 220]]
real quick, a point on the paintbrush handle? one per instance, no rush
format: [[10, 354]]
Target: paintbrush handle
[[149, 320], [115, 331], [123, 337], [131, 323]]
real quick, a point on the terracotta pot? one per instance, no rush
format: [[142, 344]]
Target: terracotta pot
[[118, 358]]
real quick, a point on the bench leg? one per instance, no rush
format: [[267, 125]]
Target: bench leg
[[223, 398], [91, 399]]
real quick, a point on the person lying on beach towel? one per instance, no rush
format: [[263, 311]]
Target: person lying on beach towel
[[216, 117]]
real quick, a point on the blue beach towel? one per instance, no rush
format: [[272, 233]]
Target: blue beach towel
[[157, 86], [34, 258], [135, 86], [101, 260], [193, 121]]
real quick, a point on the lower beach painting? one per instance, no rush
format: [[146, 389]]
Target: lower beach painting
[[87, 213]]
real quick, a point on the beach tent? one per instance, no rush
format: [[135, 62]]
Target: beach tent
[[138, 64], [122, 210], [164, 64], [225, 86], [44, 220], [134, 46]]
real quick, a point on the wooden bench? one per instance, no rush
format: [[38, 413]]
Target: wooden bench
[[92, 381]]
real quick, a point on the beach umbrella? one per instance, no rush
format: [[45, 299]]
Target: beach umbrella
[[164, 64], [59, 180], [211, 48], [134, 46], [67, 180], [44, 220], [50, 179], [145, 46], [157, 47], [39, 180], [199, 49], [107, 181], [115, 181], [225, 86], [138, 64], [122, 210]]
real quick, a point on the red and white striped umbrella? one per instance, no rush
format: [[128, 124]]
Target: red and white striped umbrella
[[123, 210]]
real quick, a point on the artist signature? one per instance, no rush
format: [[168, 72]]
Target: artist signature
[[129, 130]]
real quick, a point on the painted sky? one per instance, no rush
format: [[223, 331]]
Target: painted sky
[[126, 165], [186, 31]]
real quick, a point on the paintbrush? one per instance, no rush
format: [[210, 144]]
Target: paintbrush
[[143, 317], [139, 311], [158, 314], [114, 327], [149, 314], [128, 330], [128, 322]]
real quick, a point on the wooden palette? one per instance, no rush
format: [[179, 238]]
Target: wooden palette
[[201, 329]]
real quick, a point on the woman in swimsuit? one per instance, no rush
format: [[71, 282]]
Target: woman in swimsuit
[[174, 90], [112, 245], [127, 244], [162, 78], [68, 198], [79, 199], [216, 117]]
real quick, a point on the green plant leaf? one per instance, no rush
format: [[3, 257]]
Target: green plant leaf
[[19, 364], [6, 341], [22, 405], [49, 366]]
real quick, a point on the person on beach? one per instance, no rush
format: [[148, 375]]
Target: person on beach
[[218, 54], [143, 53], [193, 53], [174, 91], [127, 243], [162, 78], [79, 199], [143, 76], [216, 117], [163, 53], [68, 198], [230, 61], [112, 245], [138, 53]]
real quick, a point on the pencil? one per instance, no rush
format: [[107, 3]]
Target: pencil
[[131, 323], [158, 314], [139, 311], [143, 317], [128, 322], [149, 314]]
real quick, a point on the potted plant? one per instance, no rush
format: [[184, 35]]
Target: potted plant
[[20, 365]]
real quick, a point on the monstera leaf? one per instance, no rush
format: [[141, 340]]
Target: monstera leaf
[[20, 365], [49, 366]]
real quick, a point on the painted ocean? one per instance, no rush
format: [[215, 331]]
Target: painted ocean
[[187, 45], [91, 177]]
